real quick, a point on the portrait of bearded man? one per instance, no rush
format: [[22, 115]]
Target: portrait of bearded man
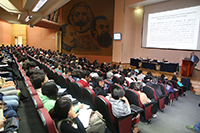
[[81, 17]]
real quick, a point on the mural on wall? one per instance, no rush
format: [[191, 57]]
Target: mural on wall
[[87, 27]]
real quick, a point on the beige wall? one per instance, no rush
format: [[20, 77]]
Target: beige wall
[[41, 38], [130, 25], [6, 32]]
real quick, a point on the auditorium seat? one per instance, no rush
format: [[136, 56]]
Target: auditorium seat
[[47, 121], [150, 92], [70, 88], [89, 97], [78, 91], [115, 125], [134, 98]]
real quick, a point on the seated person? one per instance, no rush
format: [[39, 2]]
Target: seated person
[[168, 87], [179, 84], [109, 77], [98, 87], [76, 74], [85, 78], [121, 106], [57, 68], [122, 82], [49, 95], [38, 79], [156, 87], [144, 99], [65, 118]]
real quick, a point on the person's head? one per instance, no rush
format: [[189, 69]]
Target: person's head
[[174, 78], [76, 73], [81, 17], [86, 75], [37, 80], [117, 93], [61, 108], [138, 86], [109, 75], [100, 82], [100, 31], [68, 71], [192, 53], [31, 65], [122, 80], [155, 80], [50, 90]]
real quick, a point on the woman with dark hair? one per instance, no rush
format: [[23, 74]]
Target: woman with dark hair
[[49, 95], [98, 85], [65, 118]]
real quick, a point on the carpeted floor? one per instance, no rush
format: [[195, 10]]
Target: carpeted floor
[[30, 121], [184, 111]]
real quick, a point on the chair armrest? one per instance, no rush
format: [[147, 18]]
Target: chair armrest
[[153, 101], [136, 109], [132, 114]]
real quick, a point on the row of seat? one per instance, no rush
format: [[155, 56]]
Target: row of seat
[[42, 112], [87, 95]]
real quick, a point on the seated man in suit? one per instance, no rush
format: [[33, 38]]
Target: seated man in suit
[[194, 59]]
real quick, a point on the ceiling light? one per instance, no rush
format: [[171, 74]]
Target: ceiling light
[[39, 5], [28, 18], [19, 15]]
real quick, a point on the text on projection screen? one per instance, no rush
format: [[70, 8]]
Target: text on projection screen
[[174, 29]]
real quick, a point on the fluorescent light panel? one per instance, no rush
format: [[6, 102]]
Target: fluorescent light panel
[[28, 18], [19, 15], [39, 5]]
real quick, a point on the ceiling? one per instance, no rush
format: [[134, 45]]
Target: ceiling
[[145, 3], [10, 9]]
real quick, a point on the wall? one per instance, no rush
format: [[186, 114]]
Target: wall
[[129, 23], [19, 30], [6, 32], [41, 38]]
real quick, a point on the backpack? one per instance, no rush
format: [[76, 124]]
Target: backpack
[[96, 123]]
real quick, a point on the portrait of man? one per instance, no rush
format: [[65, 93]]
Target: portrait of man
[[100, 31], [81, 17], [69, 39]]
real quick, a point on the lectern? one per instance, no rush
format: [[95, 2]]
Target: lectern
[[187, 68]]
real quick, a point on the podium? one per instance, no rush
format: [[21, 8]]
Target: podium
[[187, 68]]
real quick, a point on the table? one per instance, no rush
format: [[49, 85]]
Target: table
[[155, 65]]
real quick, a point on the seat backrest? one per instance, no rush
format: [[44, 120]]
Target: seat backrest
[[115, 79], [88, 96], [47, 120], [77, 87], [174, 83], [115, 85], [163, 88], [38, 103], [107, 86], [150, 92], [70, 81], [105, 108], [133, 97]]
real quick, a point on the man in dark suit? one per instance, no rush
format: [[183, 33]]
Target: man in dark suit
[[194, 59]]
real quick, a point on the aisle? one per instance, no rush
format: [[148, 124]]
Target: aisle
[[30, 121]]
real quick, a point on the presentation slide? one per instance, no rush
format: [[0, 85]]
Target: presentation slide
[[174, 29]]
